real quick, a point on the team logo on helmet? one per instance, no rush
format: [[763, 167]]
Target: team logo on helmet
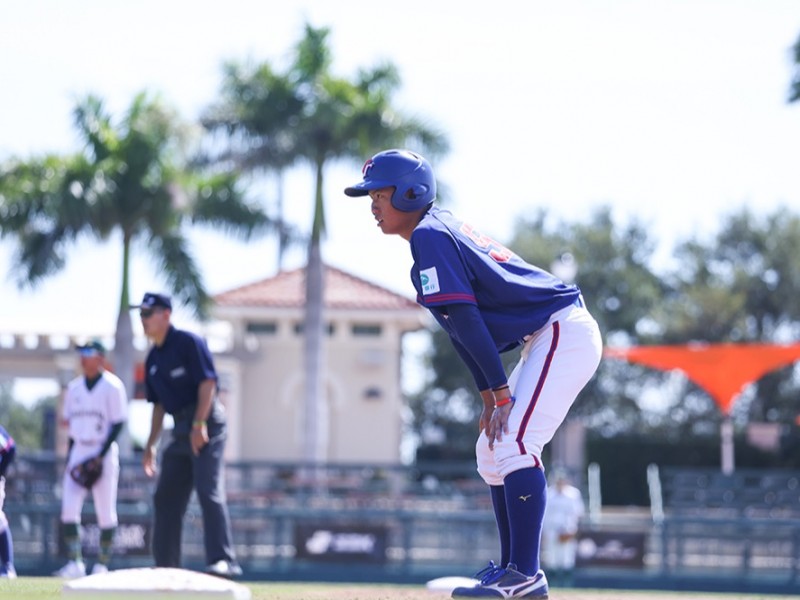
[[366, 168]]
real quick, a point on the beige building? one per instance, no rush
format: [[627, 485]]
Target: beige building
[[263, 375], [257, 342]]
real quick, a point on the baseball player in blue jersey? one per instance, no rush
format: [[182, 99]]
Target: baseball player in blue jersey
[[490, 301], [8, 450]]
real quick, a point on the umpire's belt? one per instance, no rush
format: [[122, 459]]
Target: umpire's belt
[[184, 417], [186, 413]]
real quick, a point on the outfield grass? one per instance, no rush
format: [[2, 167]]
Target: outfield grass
[[49, 588]]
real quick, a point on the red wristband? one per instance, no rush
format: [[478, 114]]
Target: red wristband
[[505, 401]]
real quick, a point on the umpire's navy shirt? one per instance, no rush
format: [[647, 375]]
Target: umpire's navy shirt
[[174, 370]]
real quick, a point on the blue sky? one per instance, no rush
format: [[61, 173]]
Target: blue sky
[[672, 112]]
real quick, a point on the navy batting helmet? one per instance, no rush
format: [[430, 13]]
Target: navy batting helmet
[[410, 174]]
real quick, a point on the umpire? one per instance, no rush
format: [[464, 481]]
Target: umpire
[[180, 379]]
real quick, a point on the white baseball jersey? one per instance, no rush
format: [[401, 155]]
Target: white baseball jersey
[[564, 509], [562, 515], [92, 412]]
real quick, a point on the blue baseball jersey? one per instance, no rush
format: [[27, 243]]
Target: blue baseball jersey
[[6, 441], [455, 264], [7, 451], [175, 370]]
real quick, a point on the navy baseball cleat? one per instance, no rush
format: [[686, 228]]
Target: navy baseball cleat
[[497, 582]]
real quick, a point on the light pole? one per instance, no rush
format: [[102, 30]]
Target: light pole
[[726, 450]]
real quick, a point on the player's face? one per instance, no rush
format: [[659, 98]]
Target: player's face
[[155, 322], [390, 220], [91, 362]]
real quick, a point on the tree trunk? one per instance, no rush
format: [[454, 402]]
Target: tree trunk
[[124, 360], [124, 356], [316, 415], [283, 237], [316, 409]]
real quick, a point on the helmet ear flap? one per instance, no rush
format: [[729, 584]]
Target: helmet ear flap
[[415, 191], [408, 173]]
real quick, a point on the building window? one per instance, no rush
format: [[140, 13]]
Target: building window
[[362, 330], [373, 393], [262, 327], [299, 328]]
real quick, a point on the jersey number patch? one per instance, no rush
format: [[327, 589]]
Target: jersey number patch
[[496, 250]]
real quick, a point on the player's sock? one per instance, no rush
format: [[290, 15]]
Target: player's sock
[[6, 548], [501, 516], [525, 500], [106, 541], [72, 539]]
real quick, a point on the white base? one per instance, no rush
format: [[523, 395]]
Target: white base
[[448, 584], [154, 584]]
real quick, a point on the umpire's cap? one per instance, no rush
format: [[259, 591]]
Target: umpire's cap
[[92, 345], [153, 300]]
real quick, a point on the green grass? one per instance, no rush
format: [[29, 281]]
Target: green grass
[[49, 588]]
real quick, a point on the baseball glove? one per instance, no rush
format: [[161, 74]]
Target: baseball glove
[[88, 472]]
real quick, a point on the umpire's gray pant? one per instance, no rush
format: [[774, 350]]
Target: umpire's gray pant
[[180, 472]]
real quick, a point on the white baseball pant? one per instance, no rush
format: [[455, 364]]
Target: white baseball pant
[[555, 364], [104, 492]]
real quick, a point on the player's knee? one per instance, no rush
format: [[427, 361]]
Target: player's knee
[[485, 460], [490, 476], [510, 463], [487, 469]]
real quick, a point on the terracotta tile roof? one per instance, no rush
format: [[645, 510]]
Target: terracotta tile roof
[[342, 291]]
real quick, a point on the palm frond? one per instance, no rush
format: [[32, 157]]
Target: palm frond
[[219, 203], [40, 254], [176, 264]]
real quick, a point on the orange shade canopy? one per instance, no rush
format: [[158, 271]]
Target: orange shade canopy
[[722, 370]]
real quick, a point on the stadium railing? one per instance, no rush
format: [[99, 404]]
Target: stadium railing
[[368, 522]]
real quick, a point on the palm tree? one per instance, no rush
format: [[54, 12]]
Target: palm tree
[[130, 178], [307, 115]]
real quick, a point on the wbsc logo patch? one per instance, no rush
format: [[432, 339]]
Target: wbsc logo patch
[[429, 280]]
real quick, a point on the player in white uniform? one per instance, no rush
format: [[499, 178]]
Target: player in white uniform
[[562, 518], [95, 409]]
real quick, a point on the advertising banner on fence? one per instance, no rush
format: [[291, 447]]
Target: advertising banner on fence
[[610, 549], [130, 539], [341, 543]]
